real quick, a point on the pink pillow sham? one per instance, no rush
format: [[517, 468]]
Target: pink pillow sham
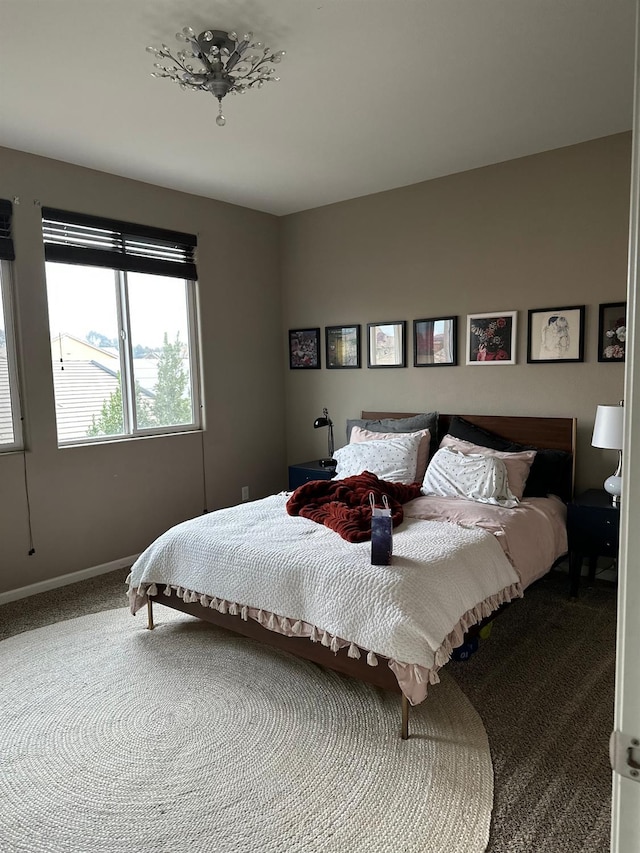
[[518, 464], [359, 434]]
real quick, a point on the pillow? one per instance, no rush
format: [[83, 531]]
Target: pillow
[[427, 420], [359, 434], [518, 464], [459, 428], [476, 477], [550, 474], [391, 459], [551, 469]]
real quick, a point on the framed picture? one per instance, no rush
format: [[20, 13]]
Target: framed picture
[[304, 348], [491, 338], [435, 342], [342, 346], [612, 331], [556, 335], [387, 344]]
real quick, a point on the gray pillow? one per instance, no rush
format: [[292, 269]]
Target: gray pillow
[[428, 420]]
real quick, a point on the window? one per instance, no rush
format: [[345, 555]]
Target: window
[[10, 431], [123, 328]]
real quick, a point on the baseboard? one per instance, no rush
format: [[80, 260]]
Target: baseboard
[[64, 580]]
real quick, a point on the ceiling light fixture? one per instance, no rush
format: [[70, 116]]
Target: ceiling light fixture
[[227, 65]]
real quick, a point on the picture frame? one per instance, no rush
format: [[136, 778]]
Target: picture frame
[[435, 342], [342, 347], [492, 338], [387, 344], [555, 335], [304, 349], [612, 331]]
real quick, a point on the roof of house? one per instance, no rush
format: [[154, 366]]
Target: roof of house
[[6, 423], [81, 388]]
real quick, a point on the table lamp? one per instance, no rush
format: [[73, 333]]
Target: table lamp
[[325, 421], [607, 433]]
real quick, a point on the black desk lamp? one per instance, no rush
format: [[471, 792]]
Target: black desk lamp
[[325, 421]]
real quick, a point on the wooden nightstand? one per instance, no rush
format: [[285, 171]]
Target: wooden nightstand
[[593, 526], [302, 472]]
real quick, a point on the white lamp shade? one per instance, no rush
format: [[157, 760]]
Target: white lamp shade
[[607, 429]]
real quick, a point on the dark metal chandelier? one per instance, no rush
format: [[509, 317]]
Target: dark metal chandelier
[[227, 64]]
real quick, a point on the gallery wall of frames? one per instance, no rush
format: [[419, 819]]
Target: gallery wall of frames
[[554, 336]]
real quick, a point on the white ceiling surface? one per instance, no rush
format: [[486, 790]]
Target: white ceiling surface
[[374, 94]]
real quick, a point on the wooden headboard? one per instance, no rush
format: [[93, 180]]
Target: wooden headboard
[[549, 433]]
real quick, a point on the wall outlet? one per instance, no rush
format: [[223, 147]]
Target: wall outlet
[[245, 493]]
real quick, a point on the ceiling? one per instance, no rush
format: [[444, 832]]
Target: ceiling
[[374, 94]]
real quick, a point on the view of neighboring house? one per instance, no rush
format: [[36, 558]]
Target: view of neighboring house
[[66, 347], [81, 388], [85, 377], [6, 424]]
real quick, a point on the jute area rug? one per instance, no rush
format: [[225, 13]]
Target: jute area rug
[[115, 739]]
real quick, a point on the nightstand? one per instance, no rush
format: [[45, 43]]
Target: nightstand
[[593, 526], [302, 472]]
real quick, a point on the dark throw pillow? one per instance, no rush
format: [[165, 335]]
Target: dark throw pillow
[[551, 469], [459, 428]]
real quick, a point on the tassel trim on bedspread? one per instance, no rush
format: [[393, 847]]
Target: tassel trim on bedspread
[[271, 621], [413, 678]]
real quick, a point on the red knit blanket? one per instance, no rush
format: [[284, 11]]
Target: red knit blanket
[[343, 505]]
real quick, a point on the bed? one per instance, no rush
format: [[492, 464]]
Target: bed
[[294, 584]]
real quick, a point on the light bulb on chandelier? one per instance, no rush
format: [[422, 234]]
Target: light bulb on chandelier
[[227, 65]]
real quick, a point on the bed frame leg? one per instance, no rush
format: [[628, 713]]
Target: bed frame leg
[[150, 624], [404, 733]]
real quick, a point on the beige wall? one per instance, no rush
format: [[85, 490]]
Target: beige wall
[[539, 232], [94, 504]]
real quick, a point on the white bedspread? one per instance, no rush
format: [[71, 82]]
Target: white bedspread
[[443, 577]]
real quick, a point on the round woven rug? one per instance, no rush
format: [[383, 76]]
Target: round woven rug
[[115, 739]]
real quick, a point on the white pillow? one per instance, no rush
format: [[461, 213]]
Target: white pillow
[[392, 459], [360, 434], [518, 464], [473, 476]]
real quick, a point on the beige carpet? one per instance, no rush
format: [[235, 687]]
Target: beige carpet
[[117, 739], [544, 685]]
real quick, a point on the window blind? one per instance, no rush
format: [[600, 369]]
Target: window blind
[[77, 238], [6, 240]]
